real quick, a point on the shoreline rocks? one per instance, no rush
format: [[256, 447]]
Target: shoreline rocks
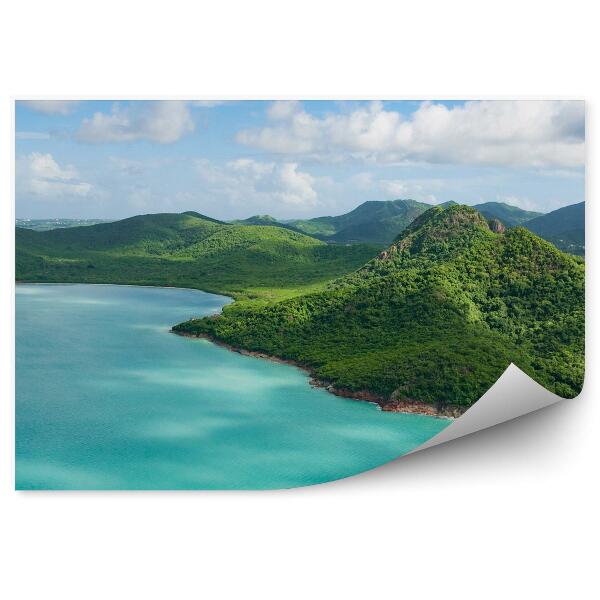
[[386, 405]]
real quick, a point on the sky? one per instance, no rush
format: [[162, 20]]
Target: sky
[[292, 159]]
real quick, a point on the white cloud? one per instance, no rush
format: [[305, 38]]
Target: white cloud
[[41, 175], [296, 187], [364, 181], [393, 189], [283, 109], [140, 197], [509, 133], [267, 186], [51, 107], [163, 121], [127, 166]]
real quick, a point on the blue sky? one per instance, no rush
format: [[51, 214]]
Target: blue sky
[[290, 159]]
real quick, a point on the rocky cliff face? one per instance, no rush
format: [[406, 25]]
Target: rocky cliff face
[[496, 226]]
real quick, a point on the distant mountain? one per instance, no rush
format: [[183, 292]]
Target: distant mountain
[[184, 250], [564, 227], [193, 213], [434, 319], [380, 222], [258, 220], [511, 216], [377, 222], [47, 224], [266, 220]]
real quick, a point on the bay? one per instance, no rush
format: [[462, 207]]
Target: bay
[[107, 398]]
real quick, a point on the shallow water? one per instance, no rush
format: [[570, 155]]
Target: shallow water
[[107, 398]]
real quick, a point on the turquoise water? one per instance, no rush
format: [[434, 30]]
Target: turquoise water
[[107, 398]]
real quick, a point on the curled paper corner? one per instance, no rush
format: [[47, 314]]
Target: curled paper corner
[[514, 394]]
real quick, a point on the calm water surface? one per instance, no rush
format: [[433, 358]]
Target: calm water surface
[[107, 398]]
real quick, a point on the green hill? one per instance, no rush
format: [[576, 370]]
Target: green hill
[[380, 222], [193, 213], [436, 318], [564, 227], [511, 216], [258, 220], [185, 250], [266, 220], [376, 222]]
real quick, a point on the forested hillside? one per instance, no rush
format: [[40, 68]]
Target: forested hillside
[[374, 222], [564, 227], [511, 216], [435, 318], [265, 220], [185, 250], [379, 222]]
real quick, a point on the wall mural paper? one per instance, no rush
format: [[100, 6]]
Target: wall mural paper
[[259, 295]]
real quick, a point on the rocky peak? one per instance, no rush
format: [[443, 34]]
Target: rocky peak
[[496, 226], [438, 231]]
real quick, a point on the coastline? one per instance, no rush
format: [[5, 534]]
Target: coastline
[[386, 405], [140, 285], [398, 406]]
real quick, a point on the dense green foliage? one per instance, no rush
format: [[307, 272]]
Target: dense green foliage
[[564, 227], [373, 222], [381, 222], [258, 220], [511, 216], [266, 220], [437, 317], [185, 250]]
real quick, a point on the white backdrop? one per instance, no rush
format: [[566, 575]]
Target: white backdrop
[[510, 512]]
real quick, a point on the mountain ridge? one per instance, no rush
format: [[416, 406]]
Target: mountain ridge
[[435, 318], [183, 250], [379, 222], [375, 221], [509, 215], [564, 227]]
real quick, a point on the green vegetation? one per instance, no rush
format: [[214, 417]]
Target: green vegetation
[[258, 220], [265, 220], [564, 227], [435, 318], [379, 223], [511, 216], [372, 222], [186, 250]]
